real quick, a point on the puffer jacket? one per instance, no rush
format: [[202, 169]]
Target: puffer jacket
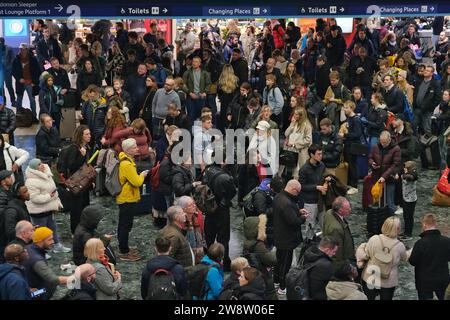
[[181, 181], [41, 185], [331, 148], [388, 158], [254, 290], [13, 283], [48, 144], [94, 116], [143, 140], [13, 155], [181, 250], [344, 290], [7, 120], [376, 120], [86, 229], [129, 179], [15, 211], [255, 236], [47, 102]]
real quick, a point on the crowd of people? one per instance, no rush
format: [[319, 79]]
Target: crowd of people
[[343, 113]]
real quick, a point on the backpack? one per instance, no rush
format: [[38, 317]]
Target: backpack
[[161, 286], [154, 174], [196, 280], [63, 159], [407, 111], [384, 259], [112, 182], [204, 199], [252, 258], [248, 206], [297, 282]]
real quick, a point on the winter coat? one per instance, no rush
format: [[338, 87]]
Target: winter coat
[[444, 116], [320, 274], [17, 71], [338, 92], [129, 180], [182, 121], [135, 86], [287, 221], [331, 149], [15, 211], [363, 79], [322, 80], [238, 110], [374, 246], [14, 155], [389, 160], [181, 250], [214, 279], [338, 229], [109, 134], [355, 131], [310, 176], [61, 78], [262, 78], [166, 176], [46, 52], [393, 98], [107, 287], [94, 117], [274, 98], [431, 99], [430, 257], [405, 141], [301, 138], [254, 290], [86, 229], [335, 54], [205, 81], [167, 263], [41, 185], [7, 120], [222, 185], [247, 180], [85, 79], [344, 290], [240, 68], [160, 75], [182, 181], [75, 160], [13, 283], [50, 102], [48, 144], [255, 236], [376, 120], [143, 140]]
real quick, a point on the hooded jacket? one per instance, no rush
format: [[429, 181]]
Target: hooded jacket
[[332, 149], [255, 236], [129, 180], [320, 274], [13, 283], [49, 102], [48, 144], [376, 120], [214, 279], [94, 116], [182, 181], [254, 290], [167, 263], [344, 290], [393, 99], [15, 211], [41, 186], [86, 229]]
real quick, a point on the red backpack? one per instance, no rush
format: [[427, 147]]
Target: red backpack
[[154, 178]]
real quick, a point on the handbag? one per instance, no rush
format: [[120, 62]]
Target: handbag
[[359, 149], [81, 180], [288, 158], [443, 184]]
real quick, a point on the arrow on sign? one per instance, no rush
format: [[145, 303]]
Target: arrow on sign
[[59, 8], [341, 9], [432, 9], [165, 10], [264, 10]]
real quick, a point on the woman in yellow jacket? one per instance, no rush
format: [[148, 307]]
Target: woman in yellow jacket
[[128, 197]]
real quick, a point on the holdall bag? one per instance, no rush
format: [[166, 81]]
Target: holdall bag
[[440, 199], [289, 158], [430, 155], [376, 215], [443, 184], [341, 171], [359, 149], [81, 180]]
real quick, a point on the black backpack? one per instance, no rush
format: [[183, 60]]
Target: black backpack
[[196, 280], [63, 159], [161, 286], [297, 282]]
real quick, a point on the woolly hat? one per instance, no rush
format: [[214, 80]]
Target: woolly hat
[[128, 144], [42, 233], [34, 164], [45, 76], [5, 174], [264, 186]]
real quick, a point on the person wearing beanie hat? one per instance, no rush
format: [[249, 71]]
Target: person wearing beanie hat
[[39, 274], [34, 163], [129, 197], [404, 86]]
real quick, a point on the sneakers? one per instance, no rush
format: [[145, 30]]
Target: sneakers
[[129, 257], [352, 191], [58, 248], [276, 285], [399, 211], [281, 292]]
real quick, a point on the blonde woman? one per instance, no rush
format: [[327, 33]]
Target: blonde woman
[[226, 90], [384, 245], [299, 138], [265, 114], [108, 281], [403, 85], [264, 142]]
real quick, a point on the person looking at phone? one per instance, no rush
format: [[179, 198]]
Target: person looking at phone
[[128, 197]]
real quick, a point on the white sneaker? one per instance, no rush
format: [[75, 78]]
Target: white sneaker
[[58, 248], [399, 211], [276, 286], [352, 191], [281, 292]]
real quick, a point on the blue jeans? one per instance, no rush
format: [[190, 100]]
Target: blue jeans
[[47, 221], [194, 107], [29, 90], [390, 196]]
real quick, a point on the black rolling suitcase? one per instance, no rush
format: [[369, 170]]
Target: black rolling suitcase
[[24, 118], [376, 215], [430, 155]]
